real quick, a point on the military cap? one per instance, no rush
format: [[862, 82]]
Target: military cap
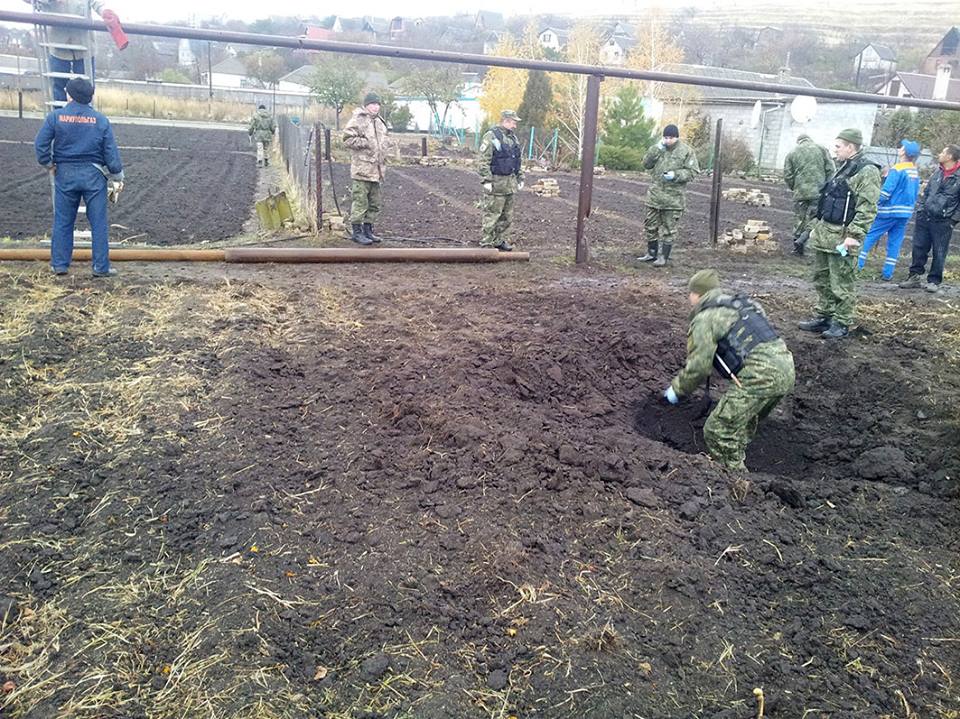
[[704, 281], [371, 98], [510, 115], [851, 135]]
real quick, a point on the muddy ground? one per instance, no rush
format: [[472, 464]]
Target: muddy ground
[[451, 492], [183, 185]]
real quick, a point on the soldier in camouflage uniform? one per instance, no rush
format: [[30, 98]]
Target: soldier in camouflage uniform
[[731, 332], [806, 169], [261, 129], [366, 136], [845, 211], [672, 164], [501, 175]]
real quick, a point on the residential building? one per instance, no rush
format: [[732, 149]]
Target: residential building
[[553, 38], [946, 52], [775, 133], [231, 73], [944, 85], [874, 65]]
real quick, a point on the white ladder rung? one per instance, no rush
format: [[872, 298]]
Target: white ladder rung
[[83, 234], [63, 46], [66, 75]]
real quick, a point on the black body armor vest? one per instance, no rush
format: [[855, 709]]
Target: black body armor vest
[[750, 329], [838, 203], [506, 159]]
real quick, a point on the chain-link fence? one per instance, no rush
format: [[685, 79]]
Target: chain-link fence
[[301, 147]]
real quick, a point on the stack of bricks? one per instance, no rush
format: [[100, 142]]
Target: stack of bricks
[[547, 187], [434, 161], [745, 196], [754, 236]]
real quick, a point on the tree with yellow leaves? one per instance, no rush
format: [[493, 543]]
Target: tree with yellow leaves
[[654, 48], [570, 91], [503, 87]]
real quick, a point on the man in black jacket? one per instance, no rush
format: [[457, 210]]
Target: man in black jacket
[[938, 212]]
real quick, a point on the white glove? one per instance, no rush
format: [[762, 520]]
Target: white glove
[[488, 187], [669, 176], [114, 190], [670, 395], [520, 185], [662, 144]]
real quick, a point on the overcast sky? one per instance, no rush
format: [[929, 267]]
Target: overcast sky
[[175, 10]]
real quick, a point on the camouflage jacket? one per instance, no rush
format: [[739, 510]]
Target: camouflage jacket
[[262, 126], [682, 161], [768, 369], [865, 185], [502, 184], [366, 136], [806, 168]]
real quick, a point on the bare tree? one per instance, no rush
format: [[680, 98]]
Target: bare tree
[[440, 85], [570, 91]]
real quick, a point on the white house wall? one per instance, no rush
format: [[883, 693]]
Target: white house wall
[[831, 118]]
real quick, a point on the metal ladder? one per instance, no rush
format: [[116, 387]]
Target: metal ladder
[[44, 46]]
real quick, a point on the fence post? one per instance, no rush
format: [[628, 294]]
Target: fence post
[[326, 143], [20, 104], [590, 114], [556, 144], [317, 134], [533, 134], [715, 190], [423, 146]]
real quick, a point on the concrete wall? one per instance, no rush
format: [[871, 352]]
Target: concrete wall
[[780, 132]]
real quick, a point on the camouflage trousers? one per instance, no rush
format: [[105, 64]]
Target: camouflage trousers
[[834, 279], [263, 152], [804, 212], [661, 225], [733, 422], [365, 202], [497, 218]]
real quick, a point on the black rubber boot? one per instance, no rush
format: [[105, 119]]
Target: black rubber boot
[[359, 237], [368, 233], [815, 324], [664, 257], [504, 247], [836, 331], [651, 253]]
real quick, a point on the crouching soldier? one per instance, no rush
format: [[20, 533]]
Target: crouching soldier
[[731, 333]]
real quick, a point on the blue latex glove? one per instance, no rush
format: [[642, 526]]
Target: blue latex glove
[[671, 396], [842, 249], [669, 176]]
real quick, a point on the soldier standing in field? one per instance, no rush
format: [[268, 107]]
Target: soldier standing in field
[[806, 169], [731, 333], [501, 175], [845, 212], [672, 164], [261, 130], [366, 136]]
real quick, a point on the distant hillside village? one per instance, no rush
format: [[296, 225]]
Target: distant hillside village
[[468, 98]]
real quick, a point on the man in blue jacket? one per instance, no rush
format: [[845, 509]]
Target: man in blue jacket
[[77, 146], [897, 199]]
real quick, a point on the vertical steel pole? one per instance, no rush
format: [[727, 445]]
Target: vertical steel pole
[[533, 131], [423, 146], [210, 67], [587, 153], [715, 189], [317, 134], [326, 143]]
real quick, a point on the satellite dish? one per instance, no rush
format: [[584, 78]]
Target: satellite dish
[[755, 115], [803, 108]]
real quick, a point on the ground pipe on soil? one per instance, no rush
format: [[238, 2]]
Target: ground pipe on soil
[[286, 254]]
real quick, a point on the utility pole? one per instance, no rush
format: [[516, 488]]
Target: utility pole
[[210, 67]]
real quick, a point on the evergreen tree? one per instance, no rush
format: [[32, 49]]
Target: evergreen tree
[[537, 100], [624, 124]]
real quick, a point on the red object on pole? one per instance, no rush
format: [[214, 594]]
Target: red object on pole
[[112, 22], [590, 114]]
